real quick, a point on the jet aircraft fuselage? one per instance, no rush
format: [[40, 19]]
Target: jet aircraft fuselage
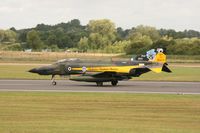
[[103, 71]]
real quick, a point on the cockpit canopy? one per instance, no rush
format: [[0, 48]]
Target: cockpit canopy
[[67, 60]]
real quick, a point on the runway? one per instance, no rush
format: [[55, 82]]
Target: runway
[[123, 86]]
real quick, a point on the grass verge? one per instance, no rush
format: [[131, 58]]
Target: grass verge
[[38, 112], [178, 74]]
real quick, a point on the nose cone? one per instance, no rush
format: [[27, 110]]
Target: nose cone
[[46, 70], [34, 70]]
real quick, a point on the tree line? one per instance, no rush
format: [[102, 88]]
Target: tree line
[[100, 35]]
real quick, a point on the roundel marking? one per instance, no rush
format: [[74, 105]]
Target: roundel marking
[[84, 69], [69, 68]]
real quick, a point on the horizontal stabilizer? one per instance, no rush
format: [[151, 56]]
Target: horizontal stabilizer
[[156, 70], [159, 68], [166, 69]]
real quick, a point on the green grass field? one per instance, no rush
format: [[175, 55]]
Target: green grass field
[[179, 73], [19, 72], [37, 112]]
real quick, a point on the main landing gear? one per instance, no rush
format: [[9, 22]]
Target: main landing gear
[[113, 83], [53, 82]]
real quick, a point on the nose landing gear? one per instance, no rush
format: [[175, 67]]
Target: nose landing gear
[[53, 82]]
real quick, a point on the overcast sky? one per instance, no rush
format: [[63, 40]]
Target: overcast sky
[[174, 14]]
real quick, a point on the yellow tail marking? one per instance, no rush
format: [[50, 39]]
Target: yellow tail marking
[[160, 57]]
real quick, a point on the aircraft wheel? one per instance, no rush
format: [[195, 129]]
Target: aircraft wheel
[[54, 83], [114, 82], [99, 83]]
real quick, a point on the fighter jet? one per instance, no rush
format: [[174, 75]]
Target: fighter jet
[[102, 71]]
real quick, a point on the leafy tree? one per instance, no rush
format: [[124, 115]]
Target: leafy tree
[[52, 39], [13, 29], [59, 33], [179, 34], [9, 36], [34, 41], [83, 44], [191, 33], [186, 46], [163, 42], [1, 35], [102, 33], [104, 36], [54, 48], [75, 22], [139, 44], [117, 47], [14, 47], [195, 48], [96, 41], [122, 34], [22, 36], [148, 31], [42, 27]]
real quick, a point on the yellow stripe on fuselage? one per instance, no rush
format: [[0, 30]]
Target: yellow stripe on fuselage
[[118, 69]]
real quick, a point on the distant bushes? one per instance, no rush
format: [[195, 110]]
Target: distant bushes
[[100, 35]]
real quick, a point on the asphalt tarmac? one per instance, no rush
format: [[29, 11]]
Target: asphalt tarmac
[[123, 86]]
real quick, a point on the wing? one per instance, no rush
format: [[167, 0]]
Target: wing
[[136, 72], [99, 77], [113, 75]]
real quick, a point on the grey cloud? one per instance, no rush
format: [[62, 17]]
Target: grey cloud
[[177, 14]]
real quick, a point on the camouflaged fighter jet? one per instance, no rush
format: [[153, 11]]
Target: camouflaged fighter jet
[[101, 71]]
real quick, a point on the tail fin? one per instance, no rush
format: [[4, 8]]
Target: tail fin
[[160, 59], [157, 56]]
